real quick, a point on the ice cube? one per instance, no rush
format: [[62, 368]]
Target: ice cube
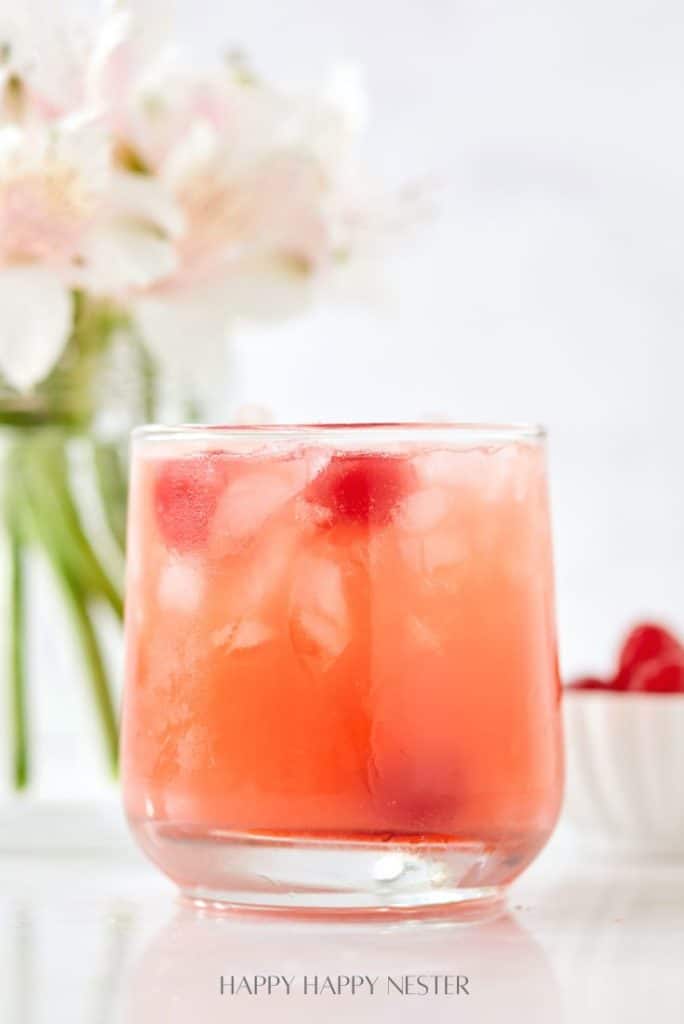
[[316, 459], [457, 468], [443, 550], [181, 585], [439, 467], [494, 472], [435, 553], [249, 501], [319, 617], [240, 636], [269, 560], [315, 515], [513, 471], [422, 510]]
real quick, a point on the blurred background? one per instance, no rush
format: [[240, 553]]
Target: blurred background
[[549, 284], [546, 282]]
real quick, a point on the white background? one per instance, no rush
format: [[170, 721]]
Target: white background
[[549, 283]]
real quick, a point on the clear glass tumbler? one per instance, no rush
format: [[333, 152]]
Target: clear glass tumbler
[[342, 689]]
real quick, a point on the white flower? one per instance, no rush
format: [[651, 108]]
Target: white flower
[[49, 184], [266, 183], [193, 198], [43, 49], [34, 325], [133, 244], [68, 220], [51, 179]]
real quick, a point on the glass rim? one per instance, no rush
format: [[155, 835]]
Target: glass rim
[[490, 433]]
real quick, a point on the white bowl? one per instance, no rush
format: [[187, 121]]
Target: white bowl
[[625, 768]]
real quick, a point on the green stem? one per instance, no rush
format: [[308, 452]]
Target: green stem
[[47, 482], [149, 384], [90, 645], [18, 701], [40, 508], [111, 482], [49, 504]]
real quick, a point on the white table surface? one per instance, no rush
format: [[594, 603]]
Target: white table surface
[[101, 940]]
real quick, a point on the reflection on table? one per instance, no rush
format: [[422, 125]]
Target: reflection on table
[[586, 938]]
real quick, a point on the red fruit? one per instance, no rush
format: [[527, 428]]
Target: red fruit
[[362, 489], [644, 643], [659, 675], [186, 493], [588, 683], [417, 796]]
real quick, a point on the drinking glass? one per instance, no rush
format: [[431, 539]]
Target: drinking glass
[[341, 685]]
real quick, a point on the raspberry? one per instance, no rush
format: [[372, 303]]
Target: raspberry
[[362, 488], [642, 644], [186, 493], [588, 683], [659, 675]]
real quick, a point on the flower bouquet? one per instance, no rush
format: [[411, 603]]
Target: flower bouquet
[[146, 208]]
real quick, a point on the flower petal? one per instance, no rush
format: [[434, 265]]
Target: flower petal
[[35, 323], [12, 139], [44, 48], [144, 199], [110, 40], [81, 141], [193, 152], [132, 35], [122, 255]]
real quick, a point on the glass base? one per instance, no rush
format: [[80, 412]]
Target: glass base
[[230, 871]]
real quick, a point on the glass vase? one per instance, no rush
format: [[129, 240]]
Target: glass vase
[[63, 490]]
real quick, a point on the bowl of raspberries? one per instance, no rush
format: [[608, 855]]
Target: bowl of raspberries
[[624, 740]]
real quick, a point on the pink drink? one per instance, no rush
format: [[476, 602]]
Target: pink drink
[[341, 642]]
